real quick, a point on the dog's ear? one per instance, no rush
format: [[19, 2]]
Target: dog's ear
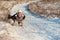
[[24, 17]]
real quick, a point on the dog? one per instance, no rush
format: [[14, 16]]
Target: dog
[[14, 18]]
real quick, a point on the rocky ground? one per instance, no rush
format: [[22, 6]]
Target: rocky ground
[[46, 8]]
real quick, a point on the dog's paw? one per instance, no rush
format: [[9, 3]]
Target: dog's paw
[[20, 25]]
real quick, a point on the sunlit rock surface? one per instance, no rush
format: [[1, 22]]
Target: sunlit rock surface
[[46, 8]]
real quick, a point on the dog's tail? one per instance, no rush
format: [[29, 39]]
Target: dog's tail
[[24, 17]]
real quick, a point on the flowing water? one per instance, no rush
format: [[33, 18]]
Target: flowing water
[[35, 27]]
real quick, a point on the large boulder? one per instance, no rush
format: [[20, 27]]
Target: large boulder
[[46, 8]]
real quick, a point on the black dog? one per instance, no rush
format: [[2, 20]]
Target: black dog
[[14, 18]]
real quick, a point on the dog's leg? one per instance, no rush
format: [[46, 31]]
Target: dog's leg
[[20, 23]]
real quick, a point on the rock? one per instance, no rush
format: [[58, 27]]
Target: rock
[[48, 8], [4, 33]]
